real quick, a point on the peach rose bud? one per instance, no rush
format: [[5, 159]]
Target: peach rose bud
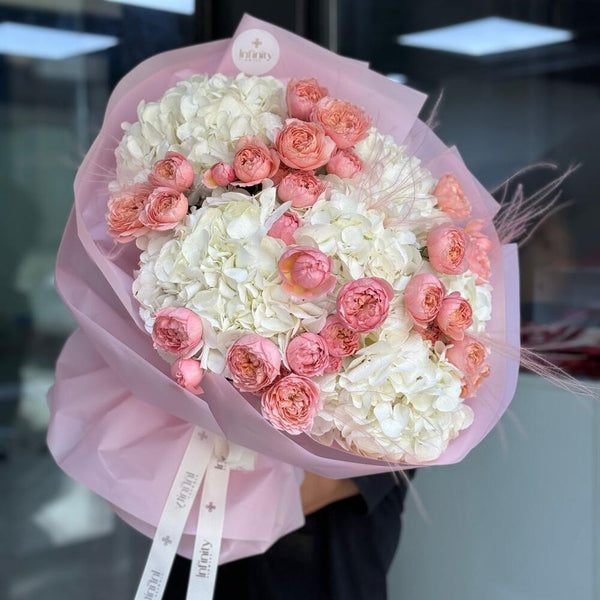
[[291, 404], [306, 272], [124, 209], [307, 355], [177, 331], [303, 145], [344, 123], [423, 298], [172, 171], [166, 207], [364, 304], [253, 161], [254, 362], [221, 174], [479, 249], [340, 339], [301, 188], [451, 197], [285, 227], [344, 164], [455, 316], [301, 96], [467, 355], [188, 373], [447, 246]]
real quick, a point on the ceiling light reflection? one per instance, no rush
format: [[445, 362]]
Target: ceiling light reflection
[[184, 7], [32, 41], [492, 35]]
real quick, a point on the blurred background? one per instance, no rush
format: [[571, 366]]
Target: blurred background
[[520, 517]]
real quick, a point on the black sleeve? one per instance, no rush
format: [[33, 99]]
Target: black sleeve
[[374, 488]]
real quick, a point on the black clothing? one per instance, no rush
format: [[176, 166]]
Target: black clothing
[[343, 551]]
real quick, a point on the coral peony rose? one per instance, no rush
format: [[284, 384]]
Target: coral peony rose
[[291, 404], [254, 362], [340, 339], [455, 316], [123, 216], [304, 146], [188, 373], [343, 122], [479, 248], [301, 188], [307, 355], [285, 227], [447, 246], [306, 272], [423, 297], [253, 161], [451, 197], [177, 331], [363, 304], [301, 96], [221, 174], [468, 355], [172, 171], [344, 163], [165, 208]]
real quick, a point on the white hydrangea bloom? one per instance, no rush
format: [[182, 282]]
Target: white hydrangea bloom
[[354, 235], [220, 263], [396, 398], [395, 181], [201, 118]]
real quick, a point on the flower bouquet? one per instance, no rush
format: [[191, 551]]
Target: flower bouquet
[[283, 270]]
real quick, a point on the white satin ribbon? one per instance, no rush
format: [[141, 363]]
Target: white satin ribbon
[[209, 531], [175, 515], [207, 457]]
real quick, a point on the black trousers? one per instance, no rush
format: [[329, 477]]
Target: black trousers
[[343, 551]]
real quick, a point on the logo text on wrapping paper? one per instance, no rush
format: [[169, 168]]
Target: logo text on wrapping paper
[[255, 51]]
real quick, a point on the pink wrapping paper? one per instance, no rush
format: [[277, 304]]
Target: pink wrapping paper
[[127, 452], [120, 424]]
